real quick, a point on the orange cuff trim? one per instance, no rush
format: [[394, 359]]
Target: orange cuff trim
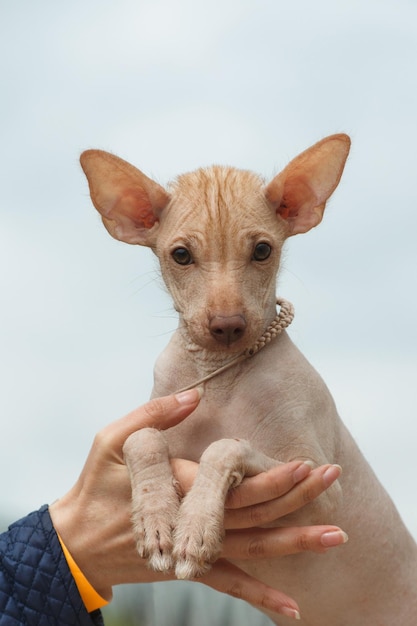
[[92, 600]]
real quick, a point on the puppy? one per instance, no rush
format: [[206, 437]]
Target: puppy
[[218, 234]]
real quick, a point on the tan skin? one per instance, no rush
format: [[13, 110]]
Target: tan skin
[[93, 518]]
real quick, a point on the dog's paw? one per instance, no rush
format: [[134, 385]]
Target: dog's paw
[[154, 541], [198, 538], [154, 515], [155, 496]]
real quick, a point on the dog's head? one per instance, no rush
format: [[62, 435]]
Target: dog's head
[[218, 233]]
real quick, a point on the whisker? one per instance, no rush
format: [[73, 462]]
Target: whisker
[[164, 334], [140, 288]]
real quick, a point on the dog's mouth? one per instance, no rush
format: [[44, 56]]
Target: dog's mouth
[[280, 322], [232, 335], [217, 339], [223, 347]]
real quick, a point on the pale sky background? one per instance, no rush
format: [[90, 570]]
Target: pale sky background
[[171, 86]]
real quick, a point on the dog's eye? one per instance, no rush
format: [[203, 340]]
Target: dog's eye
[[182, 256], [262, 251]]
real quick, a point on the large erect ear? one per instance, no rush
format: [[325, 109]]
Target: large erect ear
[[129, 202], [299, 193]]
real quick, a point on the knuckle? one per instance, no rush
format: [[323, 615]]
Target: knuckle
[[256, 548], [235, 590], [309, 494], [102, 440], [265, 601], [303, 543], [155, 408], [257, 515], [279, 480]]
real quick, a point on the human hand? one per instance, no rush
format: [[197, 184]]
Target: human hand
[[256, 502], [94, 522]]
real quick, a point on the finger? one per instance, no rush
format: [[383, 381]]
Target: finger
[[267, 485], [304, 492], [161, 413], [230, 579], [261, 543], [185, 473]]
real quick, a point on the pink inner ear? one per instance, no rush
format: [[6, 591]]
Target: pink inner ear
[[285, 211], [297, 195], [134, 204]]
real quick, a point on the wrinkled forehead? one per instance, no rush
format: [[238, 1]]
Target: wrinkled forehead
[[217, 191], [218, 210]]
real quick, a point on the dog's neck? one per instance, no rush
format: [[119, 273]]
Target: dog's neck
[[281, 321]]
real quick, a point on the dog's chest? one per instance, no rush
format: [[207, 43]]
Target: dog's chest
[[239, 413], [274, 400]]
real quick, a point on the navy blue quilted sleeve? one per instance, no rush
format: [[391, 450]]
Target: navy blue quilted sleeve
[[36, 585]]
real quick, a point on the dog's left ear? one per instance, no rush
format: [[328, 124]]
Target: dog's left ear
[[129, 202], [300, 192]]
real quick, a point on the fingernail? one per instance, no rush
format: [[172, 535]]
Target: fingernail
[[191, 396], [303, 471], [290, 612], [333, 538], [331, 474]]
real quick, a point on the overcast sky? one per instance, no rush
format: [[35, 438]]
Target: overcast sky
[[172, 85]]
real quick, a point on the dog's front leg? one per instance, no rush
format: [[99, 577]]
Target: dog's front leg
[[155, 500], [199, 530]]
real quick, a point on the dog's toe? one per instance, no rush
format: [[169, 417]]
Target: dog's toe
[[161, 562], [154, 542], [188, 568], [196, 547]]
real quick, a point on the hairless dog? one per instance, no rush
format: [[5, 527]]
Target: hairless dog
[[218, 234]]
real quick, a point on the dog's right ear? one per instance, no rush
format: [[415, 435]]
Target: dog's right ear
[[129, 202]]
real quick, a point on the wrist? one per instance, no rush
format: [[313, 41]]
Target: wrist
[[76, 541], [91, 599]]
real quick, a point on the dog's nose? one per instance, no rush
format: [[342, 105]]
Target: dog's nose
[[227, 329]]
